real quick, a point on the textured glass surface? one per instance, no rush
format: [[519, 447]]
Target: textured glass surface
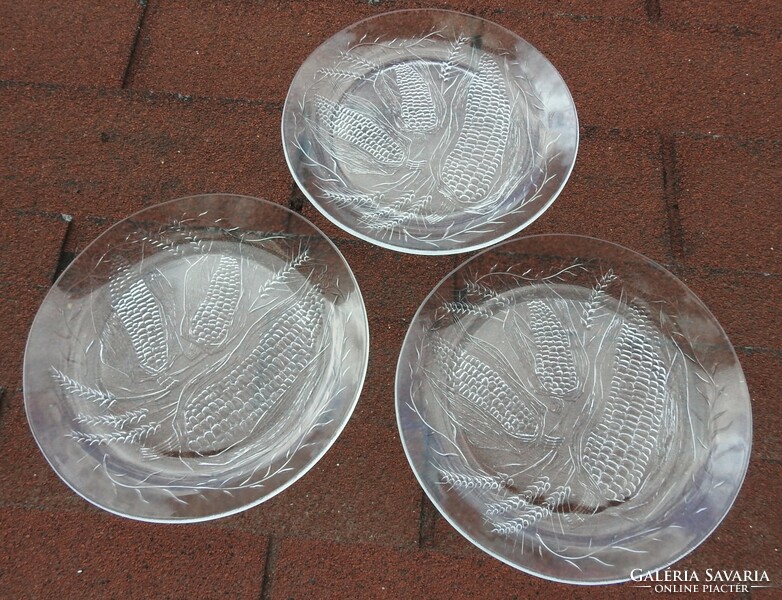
[[196, 359], [573, 409], [429, 131]]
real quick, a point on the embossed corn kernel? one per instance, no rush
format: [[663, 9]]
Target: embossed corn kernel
[[470, 169], [226, 411], [619, 448], [417, 105], [142, 317], [216, 312], [361, 131], [554, 362], [476, 382]]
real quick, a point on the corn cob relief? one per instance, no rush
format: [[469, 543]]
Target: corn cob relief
[[555, 364], [619, 448], [467, 377], [216, 311], [417, 104], [225, 412], [362, 132], [141, 316], [470, 170]]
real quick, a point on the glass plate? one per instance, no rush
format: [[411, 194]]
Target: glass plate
[[573, 409], [196, 359], [429, 131]]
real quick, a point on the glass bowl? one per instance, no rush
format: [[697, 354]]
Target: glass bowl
[[196, 359], [573, 409], [429, 131]]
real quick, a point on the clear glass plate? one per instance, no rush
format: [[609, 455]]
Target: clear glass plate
[[573, 409], [429, 131], [196, 359]]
